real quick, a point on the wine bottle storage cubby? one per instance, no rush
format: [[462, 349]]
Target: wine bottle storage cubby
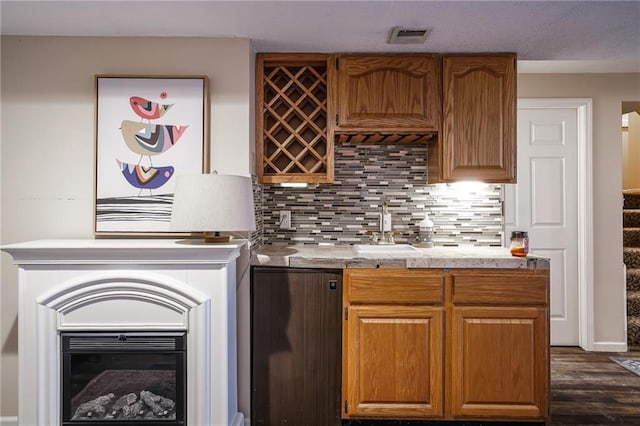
[[295, 143]]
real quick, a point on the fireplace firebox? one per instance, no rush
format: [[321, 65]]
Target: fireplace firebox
[[111, 378]]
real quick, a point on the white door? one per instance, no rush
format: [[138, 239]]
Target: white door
[[544, 203]]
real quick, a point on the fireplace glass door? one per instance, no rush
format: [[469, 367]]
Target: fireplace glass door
[[123, 378]]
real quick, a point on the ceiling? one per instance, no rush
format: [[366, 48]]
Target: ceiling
[[548, 36]]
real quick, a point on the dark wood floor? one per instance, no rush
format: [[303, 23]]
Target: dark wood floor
[[589, 389]]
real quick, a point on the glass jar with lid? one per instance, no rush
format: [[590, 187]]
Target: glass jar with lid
[[519, 243]]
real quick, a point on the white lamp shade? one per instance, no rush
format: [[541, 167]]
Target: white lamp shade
[[213, 203]]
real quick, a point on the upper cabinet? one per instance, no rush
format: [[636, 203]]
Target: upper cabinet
[[463, 105], [294, 142], [386, 93], [478, 137]]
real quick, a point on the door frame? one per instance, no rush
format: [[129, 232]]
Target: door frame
[[583, 107]]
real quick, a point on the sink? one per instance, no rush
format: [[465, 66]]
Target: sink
[[382, 249]]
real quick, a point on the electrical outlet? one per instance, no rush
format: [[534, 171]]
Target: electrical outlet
[[285, 219]]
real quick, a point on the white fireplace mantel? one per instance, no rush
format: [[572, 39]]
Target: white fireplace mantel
[[124, 284]]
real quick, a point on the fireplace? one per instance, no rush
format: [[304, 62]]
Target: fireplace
[[98, 315], [123, 378]]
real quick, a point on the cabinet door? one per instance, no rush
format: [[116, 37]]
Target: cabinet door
[[296, 318], [392, 362], [387, 93], [479, 124], [499, 363]]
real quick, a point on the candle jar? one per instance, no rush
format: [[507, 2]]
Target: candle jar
[[519, 243]]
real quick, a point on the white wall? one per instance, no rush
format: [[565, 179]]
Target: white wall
[[48, 138], [608, 91]]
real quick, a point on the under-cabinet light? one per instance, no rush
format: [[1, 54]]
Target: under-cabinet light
[[294, 184]]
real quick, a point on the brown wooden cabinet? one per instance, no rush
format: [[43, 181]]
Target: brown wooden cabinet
[[294, 141], [478, 137], [499, 346], [295, 339], [392, 344], [451, 344], [387, 93], [463, 106]]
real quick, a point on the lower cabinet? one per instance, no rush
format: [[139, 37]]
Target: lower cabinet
[[398, 344], [498, 363], [499, 345], [454, 345], [394, 361], [392, 344], [295, 346]]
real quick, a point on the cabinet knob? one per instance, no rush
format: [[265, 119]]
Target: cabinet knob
[[333, 284]]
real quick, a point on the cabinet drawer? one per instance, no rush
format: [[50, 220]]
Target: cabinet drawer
[[393, 286], [500, 289]]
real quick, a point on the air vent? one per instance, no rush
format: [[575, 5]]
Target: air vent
[[400, 35]]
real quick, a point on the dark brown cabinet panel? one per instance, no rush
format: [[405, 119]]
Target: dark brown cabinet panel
[[296, 346]]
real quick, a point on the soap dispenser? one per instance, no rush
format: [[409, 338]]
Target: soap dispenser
[[425, 238]]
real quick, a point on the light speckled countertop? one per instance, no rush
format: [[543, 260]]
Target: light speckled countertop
[[345, 256]]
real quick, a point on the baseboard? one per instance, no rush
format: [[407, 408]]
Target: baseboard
[[238, 420], [8, 421], [609, 347]]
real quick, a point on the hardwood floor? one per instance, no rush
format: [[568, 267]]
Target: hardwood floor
[[587, 388]]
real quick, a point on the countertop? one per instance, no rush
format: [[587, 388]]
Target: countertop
[[346, 256]]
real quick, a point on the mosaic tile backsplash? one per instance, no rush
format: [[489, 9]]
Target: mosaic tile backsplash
[[366, 175]]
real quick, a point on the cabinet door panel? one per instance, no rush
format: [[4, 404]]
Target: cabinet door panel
[[490, 289], [405, 286], [499, 363], [392, 362], [479, 129], [296, 332], [388, 92]]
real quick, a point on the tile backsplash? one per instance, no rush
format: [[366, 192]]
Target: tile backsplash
[[365, 176]]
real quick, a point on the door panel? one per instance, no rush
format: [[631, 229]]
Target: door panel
[[544, 203], [547, 206], [561, 301]]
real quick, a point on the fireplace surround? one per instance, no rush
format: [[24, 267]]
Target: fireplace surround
[[128, 288]]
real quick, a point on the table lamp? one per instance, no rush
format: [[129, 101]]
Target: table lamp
[[211, 204]]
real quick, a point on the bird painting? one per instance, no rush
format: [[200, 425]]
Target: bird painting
[[145, 177], [150, 139], [147, 109]]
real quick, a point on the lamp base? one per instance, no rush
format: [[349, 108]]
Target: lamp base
[[216, 238]]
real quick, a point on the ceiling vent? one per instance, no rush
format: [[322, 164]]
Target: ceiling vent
[[400, 35]]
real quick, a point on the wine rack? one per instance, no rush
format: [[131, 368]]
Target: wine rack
[[294, 138]]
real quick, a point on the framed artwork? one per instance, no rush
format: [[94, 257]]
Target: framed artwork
[[148, 129]]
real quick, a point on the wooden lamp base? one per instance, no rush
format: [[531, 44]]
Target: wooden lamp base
[[216, 238]]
